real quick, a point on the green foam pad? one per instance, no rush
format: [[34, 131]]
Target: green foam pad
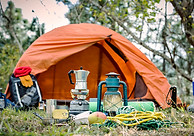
[[138, 105]]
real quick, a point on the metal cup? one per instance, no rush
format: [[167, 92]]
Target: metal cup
[[50, 107]]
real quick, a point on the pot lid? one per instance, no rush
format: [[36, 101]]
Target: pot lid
[[112, 74]]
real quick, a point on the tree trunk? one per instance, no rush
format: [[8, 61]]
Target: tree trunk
[[185, 10]]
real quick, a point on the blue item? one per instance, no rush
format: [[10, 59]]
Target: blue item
[[5, 102], [9, 103], [193, 86]]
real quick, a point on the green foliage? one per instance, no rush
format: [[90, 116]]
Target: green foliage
[[22, 123], [15, 30], [147, 21], [9, 55], [26, 123], [132, 11], [21, 27]]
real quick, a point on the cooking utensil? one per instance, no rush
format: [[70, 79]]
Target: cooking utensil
[[49, 121]]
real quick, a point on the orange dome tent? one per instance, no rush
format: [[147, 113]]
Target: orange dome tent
[[98, 50]]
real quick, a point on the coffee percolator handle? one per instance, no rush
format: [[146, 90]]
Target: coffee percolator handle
[[69, 73]]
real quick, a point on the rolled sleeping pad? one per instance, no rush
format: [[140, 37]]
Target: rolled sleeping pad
[[143, 105], [93, 106], [138, 105]]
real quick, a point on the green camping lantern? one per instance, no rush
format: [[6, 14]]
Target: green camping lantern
[[112, 99]]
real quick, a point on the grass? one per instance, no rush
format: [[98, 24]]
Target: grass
[[25, 123]]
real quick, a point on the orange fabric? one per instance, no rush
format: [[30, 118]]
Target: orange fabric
[[148, 96], [67, 48], [26, 80]]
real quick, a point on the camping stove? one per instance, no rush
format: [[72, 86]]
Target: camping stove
[[80, 93]]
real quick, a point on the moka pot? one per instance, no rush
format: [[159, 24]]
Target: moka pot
[[81, 78]]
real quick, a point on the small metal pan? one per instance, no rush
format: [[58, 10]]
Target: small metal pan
[[49, 121]]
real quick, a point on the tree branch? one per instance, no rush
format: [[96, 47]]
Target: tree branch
[[140, 41], [11, 29], [185, 8]]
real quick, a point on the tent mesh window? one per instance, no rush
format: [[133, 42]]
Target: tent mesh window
[[140, 88]]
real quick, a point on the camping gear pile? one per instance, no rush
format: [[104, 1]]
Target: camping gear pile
[[98, 49], [41, 74]]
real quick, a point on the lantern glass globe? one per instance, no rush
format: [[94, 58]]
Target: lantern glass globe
[[111, 102]]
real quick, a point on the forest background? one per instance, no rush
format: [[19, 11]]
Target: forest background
[[167, 38]]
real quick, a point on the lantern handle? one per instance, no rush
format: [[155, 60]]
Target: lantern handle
[[124, 92], [100, 95]]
